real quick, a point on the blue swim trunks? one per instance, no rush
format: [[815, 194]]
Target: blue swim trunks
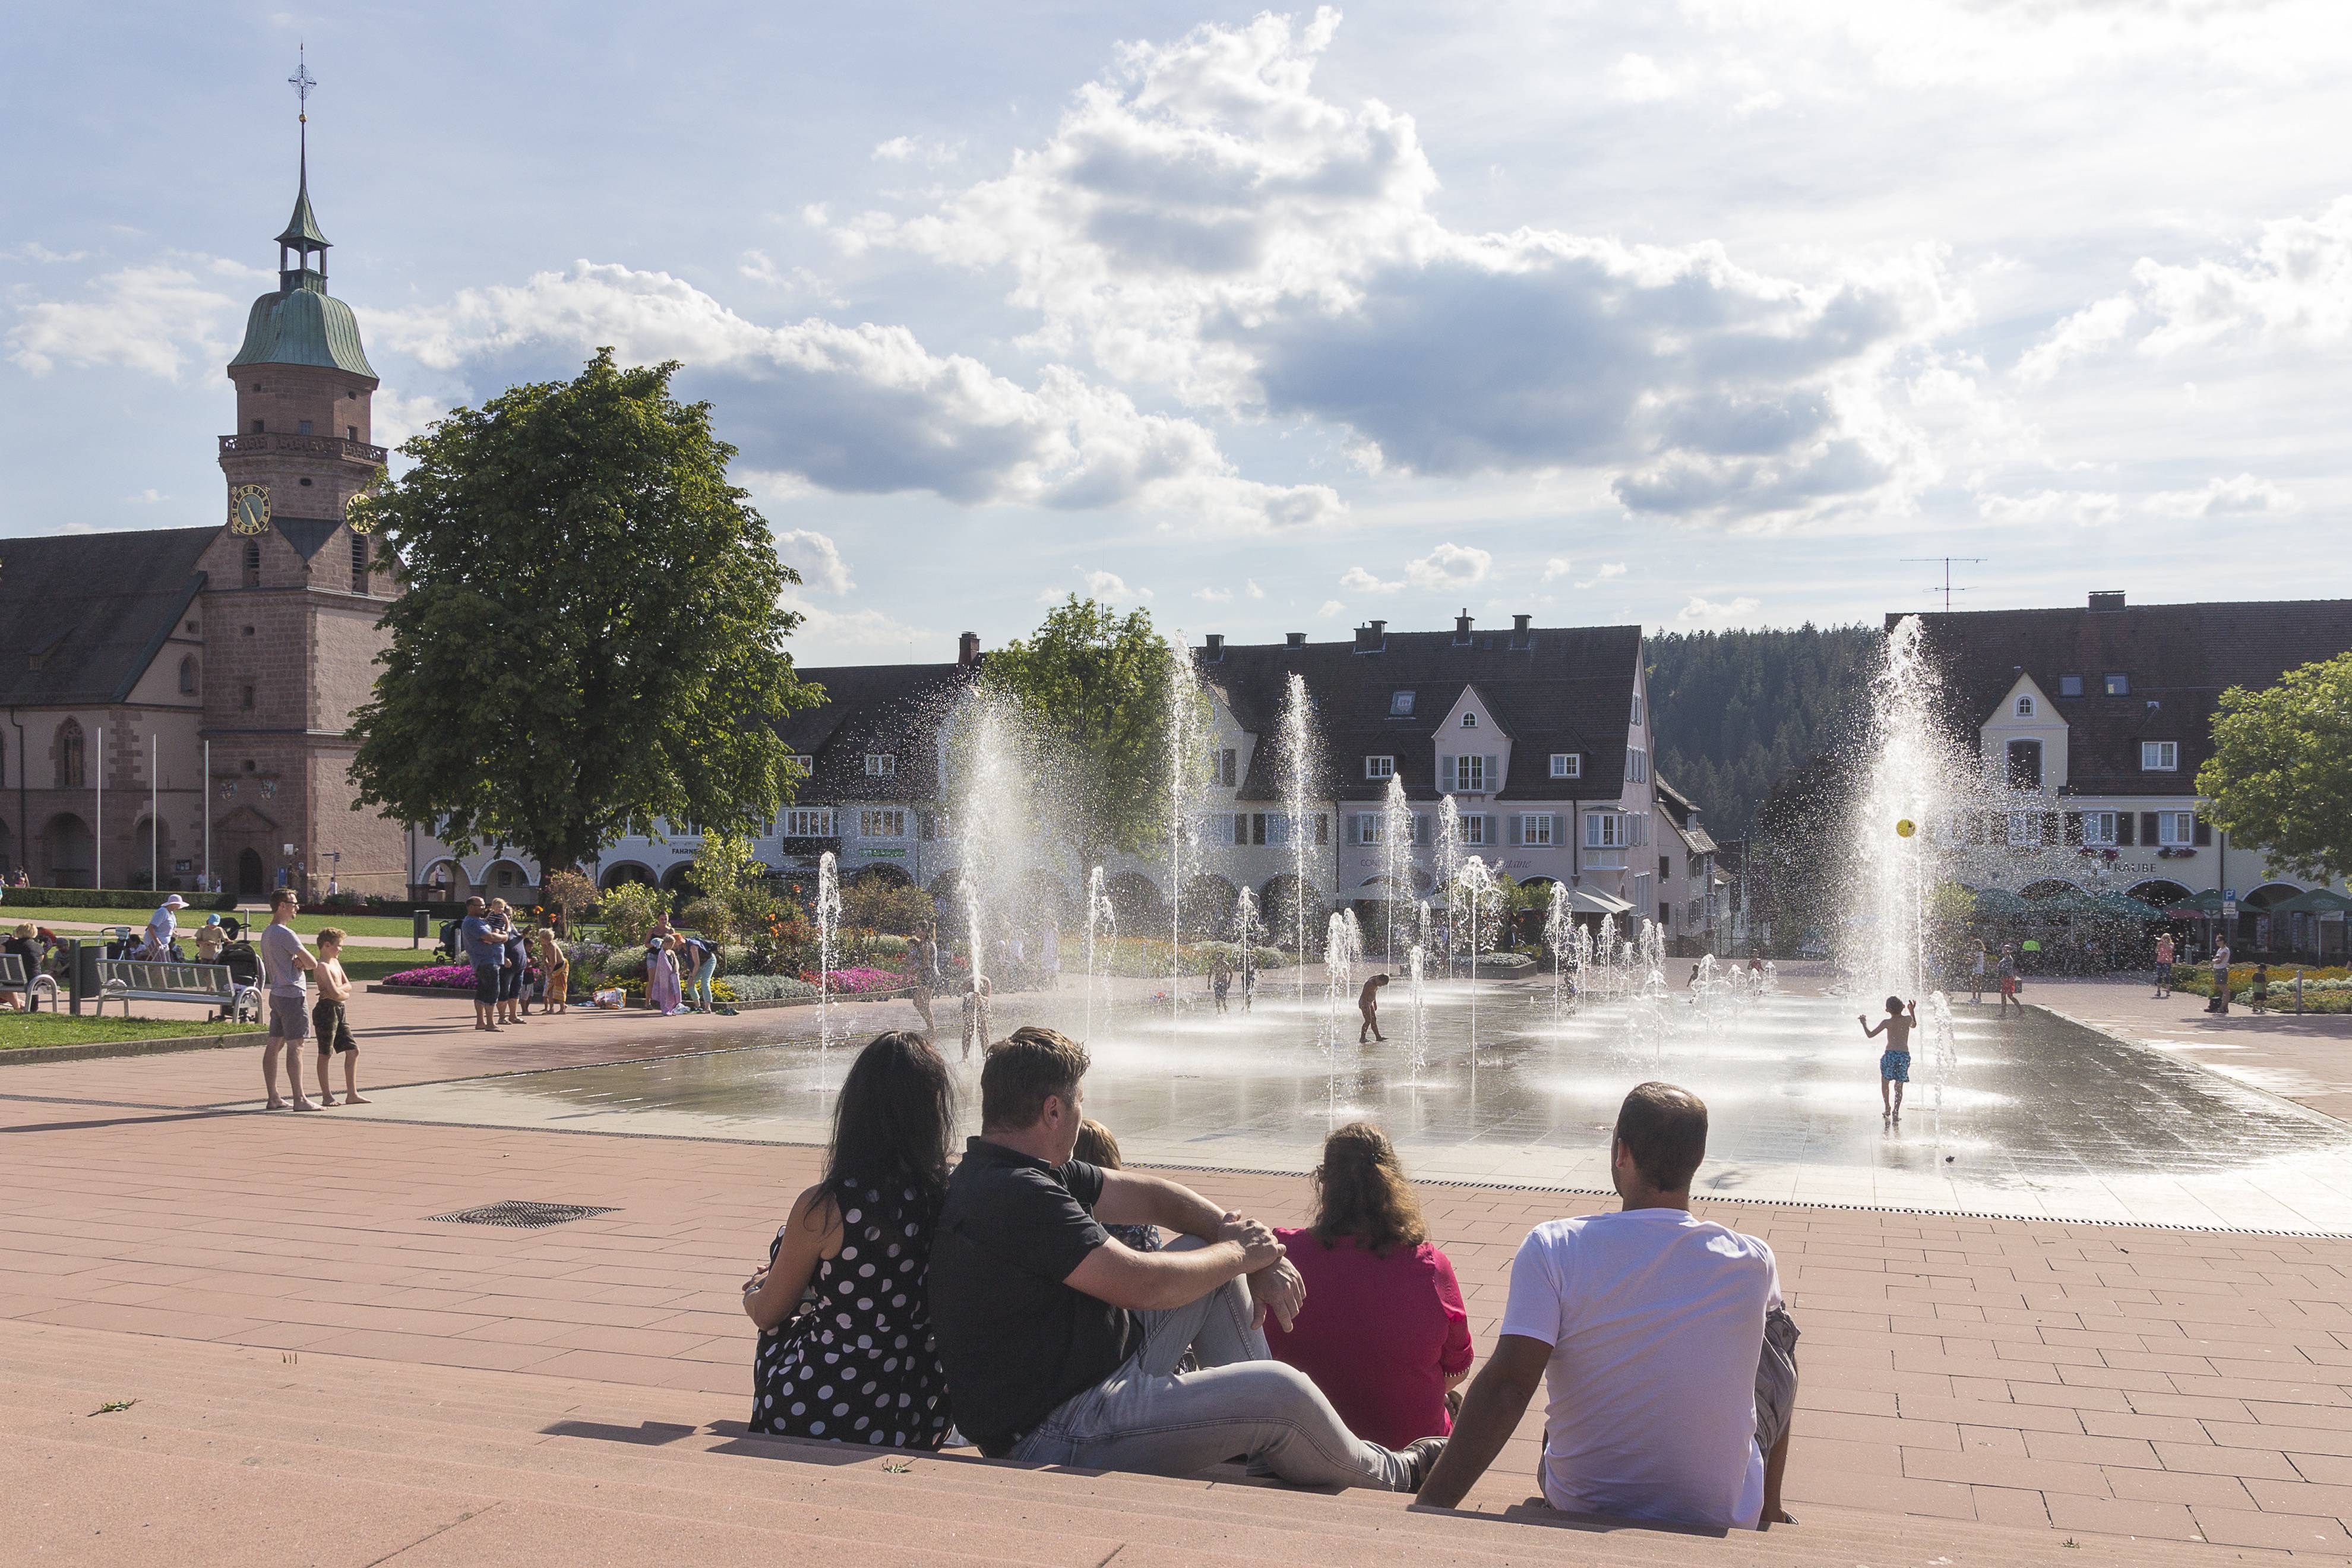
[[1895, 1065]]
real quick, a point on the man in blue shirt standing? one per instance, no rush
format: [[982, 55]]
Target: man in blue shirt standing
[[483, 948]]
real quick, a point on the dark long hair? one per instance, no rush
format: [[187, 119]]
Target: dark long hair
[[1361, 1190], [893, 1120]]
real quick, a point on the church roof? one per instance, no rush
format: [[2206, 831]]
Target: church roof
[[83, 614], [303, 325]]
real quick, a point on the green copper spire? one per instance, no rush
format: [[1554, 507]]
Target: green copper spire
[[300, 323], [302, 232]]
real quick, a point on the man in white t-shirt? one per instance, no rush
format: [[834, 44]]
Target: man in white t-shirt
[[1670, 1362]]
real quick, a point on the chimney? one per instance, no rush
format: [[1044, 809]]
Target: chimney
[[1373, 636], [968, 649], [1462, 628], [1295, 640], [1214, 647], [2106, 604], [1520, 636]]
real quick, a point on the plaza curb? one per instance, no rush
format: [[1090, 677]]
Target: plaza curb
[[160, 1045]]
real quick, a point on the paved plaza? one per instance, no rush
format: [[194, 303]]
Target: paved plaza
[[1975, 1388]]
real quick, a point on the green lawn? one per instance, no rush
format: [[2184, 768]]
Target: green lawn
[[365, 966], [357, 925], [20, 1030]]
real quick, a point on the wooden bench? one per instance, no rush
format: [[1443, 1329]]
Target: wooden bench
[[13, 978], [129, 980]]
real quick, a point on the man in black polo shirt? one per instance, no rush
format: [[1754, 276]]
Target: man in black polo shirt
[[1061, 1343]]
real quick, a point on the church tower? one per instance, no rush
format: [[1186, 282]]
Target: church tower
[[292, 594]]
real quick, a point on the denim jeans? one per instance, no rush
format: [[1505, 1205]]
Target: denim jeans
[[1150, 1418], [699, 986]]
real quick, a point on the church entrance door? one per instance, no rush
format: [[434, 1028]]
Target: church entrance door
[[252, 882]]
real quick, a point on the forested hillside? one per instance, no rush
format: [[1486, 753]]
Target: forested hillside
[[1733, 711]]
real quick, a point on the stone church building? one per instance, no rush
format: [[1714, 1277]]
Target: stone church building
[[175, 702]]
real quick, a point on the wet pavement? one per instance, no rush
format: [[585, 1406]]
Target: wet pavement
[[2036, 1116]]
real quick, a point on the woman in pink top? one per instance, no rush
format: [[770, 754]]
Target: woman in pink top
[[1383, 1334]]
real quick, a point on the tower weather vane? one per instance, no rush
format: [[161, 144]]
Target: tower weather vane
[[302, 82]]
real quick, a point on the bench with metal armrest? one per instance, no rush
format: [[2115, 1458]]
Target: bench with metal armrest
[[129, 980], [32, 989]]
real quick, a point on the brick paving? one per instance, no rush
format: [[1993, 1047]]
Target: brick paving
[[2092, 1380]]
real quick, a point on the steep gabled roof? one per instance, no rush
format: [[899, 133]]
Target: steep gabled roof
[[889, 708], [92, 609], [1567, 689], [2177, 657]]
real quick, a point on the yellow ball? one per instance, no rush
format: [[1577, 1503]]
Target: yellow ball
[[1906, 829]]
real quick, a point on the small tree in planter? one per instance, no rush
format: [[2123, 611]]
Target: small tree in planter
[[570, 892]]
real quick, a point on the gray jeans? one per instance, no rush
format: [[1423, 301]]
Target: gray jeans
[[1151, 1417]]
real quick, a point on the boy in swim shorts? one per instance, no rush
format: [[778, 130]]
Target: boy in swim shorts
[[1895, 1062]]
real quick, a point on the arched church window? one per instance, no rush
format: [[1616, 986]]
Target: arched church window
[[188, 676], [358, 563], [253, 564], [70, 770]]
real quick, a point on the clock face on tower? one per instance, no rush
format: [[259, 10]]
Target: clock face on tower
[[356, 517], [248, 508]]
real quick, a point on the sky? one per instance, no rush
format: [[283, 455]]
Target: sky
[[1701, 314]]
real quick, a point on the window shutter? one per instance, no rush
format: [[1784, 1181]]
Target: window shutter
[[1558, 833], [1446, 775], [2124, 828], [1257, 827], [2074, 828], [2204, 835], [1494, 780], [2050, 827], [1515, 828], [2147, 833]]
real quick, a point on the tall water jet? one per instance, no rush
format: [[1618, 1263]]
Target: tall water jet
[[1100, 913], [1604, 953], [1417, 999], [1396, 841], [1558, 927], [828, 943], [1247, 928], [1187, 736], [1343, 944], [1449, 872], [1301, 772], [1477, 893]]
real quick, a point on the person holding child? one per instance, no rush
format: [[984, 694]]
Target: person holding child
[[1895, 1062], [329, 1023]]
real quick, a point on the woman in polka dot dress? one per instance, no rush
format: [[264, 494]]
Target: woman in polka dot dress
[[845, 1348]]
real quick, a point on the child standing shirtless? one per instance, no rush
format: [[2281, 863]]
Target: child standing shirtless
[[1368, 1002], [1895, 1062], [329, 1023]]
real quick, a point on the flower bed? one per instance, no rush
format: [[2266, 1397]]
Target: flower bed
[[860, 981], [440, 977]]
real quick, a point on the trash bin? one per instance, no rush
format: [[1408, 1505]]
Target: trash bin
[[421, 924], [81, 971]]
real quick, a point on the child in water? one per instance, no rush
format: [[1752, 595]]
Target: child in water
[[1895, 1062], [976, 989], [1368, 1002]]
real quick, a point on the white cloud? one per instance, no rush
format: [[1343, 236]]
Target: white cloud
[[829, 633], [1111, 588], [2240, 497], [908, 149], [1637, 78], [2041, 508], [395, 416], [1202, 220], [33, 250], [147, 498], [1703, 612], [816, 558], [2292, 285], [1449, 566], [866, 408], [1214, 595], [1608, 569], [1330, 608], [1363, 582], [1253, 590], [156, 318], [1555, 568]]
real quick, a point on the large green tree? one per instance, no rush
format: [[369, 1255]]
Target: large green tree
[[1096, 685], [2281, 773], [590, 636]]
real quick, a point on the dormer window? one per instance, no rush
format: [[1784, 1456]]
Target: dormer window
[[881, 765], [2159, 756], [1469, 720], [2025, 707], [1401, 705], [1568, 764], [1380, 767], [2115, 684], [804, 763], [2070, 686]]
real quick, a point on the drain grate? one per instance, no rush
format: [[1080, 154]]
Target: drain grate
[[520, 1215]]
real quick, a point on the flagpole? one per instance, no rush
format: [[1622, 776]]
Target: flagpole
[[207, 792], [154, 818], [98, 838]]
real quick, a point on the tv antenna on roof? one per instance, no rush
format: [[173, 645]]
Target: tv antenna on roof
[[1948, 590]]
